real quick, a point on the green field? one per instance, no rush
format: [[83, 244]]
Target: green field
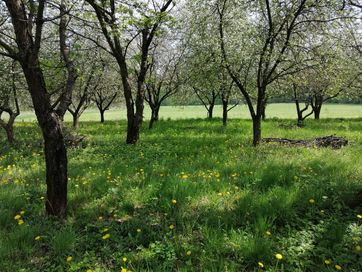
[[191, 196], [282, 111]]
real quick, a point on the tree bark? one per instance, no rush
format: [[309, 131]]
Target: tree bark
[[154, 116], [225, 111], [76, 120], [317, 112], [210, 111], [102, 115], [256, 130]]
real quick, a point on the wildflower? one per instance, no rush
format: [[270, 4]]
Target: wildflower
[[139, 230], [311, 201], [358, 248], [106, 236], [171, 227], [338, 267], [359, 216], [327, 262], [268, 233], [42, 198], [124, 270], [22, 212], [17, 217], [279, 256], [184, 176], [37, 238], [100, 218], [188, 253], [69, 259], [173, 201], [20, 222], [261, 265], [124, 259]]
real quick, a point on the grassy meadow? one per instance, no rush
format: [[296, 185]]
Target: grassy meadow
[[191, 196], [280, 111]]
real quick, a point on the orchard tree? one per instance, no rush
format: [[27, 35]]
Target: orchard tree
[[163, 78], [21, 39], [130, 29]]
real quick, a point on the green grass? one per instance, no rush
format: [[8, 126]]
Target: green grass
[[281, 111], [229, 198]]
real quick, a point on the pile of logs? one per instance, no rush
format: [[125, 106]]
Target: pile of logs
[[327, 141]]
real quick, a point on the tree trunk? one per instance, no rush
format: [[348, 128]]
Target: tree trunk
[[10, 133], [210, 111], [154, 116], [102, 115], [263, 115], [133, 130], [317, 112], [76, 120], [225, 105], [56, 165], [256, 130]]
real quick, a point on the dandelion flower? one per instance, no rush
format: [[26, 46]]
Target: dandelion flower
[[311, 201], [184, 176], [268, 233], [17, 217], [359, 216], [171, 227], [20, 222], [106, 236], [124, 259], [327, 262], [139, 230], [188, 253], [124, 270], [37, 238], [69, 259], [279, 256], [261, 265], [358, 248], [173, 201], [338, 267], [22, 212]]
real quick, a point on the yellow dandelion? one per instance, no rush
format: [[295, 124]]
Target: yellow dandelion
[[359, 216], [124, 270], [268, 233], [37, 238], [338, 267], [124, 259], [106, 236], [171, 227], [188, 253], [173, 201], [311, 201], [328, 262], [261, 265], [279, 256], [139, 230], [358, 248], [20, 222], [22, 212], [69, 259], [17, 217]]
